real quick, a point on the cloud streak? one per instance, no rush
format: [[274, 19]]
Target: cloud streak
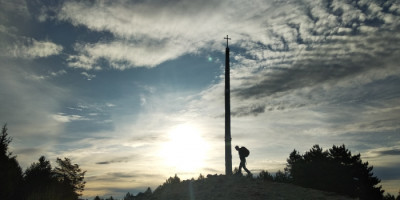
[[149, 33], [35, 49]]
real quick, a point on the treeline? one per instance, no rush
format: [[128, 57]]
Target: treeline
[[333, 170], [40, 181], [140, 196]]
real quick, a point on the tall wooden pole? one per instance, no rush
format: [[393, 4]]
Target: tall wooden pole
[[228, 138]]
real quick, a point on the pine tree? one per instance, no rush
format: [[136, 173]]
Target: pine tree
[[336, 170], [71, 175], [10, 171], [129, 196], [39, 182], [265, 176], [97, 198]]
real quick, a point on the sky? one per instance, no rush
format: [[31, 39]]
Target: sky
[[133, 91]]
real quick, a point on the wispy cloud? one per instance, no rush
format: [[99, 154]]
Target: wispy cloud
[[146, 40], [14, 42], [61, 117], [29, 48], [88, 76], [284, 47], [115, 160], [36, 49], [385, 151]]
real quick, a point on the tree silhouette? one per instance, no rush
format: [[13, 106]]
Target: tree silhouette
[[70, 175], [10, 171], [281, 177], [39, 182], [335, 170], [265, 176], [173, 180], [391, 197], [97, 198], [201, 177], [147, 194], [129, 196], [42, 182]]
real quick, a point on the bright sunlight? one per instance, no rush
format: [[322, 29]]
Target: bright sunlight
[[185, 149]]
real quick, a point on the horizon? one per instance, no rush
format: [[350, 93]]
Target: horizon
[[133, 92]]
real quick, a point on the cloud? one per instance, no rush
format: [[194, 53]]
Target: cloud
[[392, 152], [30, 48], [27, 106], [122, 55], [14, 18], [103, 163], [331, 53], [113, 176], [300, 50], [18, 7], [117, 160], [389, 151], [88, 76], [62, 117], [35, 99], [110, 105], [48, 75], [58, 73], [29, 151], [171, 30], [387, 173], [249, 110]]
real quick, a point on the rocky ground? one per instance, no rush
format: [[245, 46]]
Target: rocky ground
[[238, 188]]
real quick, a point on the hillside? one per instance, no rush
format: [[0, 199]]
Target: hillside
[[237, 188]]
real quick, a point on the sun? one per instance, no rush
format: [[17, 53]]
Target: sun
[[185, 149]]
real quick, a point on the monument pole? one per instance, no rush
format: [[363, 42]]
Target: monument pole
[[228, 138]]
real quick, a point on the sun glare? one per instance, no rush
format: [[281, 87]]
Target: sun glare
[[185, 149]]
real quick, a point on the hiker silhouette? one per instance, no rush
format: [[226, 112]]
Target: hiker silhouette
[[243, 153]]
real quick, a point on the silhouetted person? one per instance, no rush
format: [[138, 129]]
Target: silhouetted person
[[243, 153]]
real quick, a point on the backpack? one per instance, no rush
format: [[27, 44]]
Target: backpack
[[244, 152]]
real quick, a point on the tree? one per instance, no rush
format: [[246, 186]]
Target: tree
[[5, 140], [70, 175], [398, 196], [144, 195], [97, 198], [265, 176], [335, 170], [281, 177], [148, 192], [42, 182], [129, 196], [294, 167], [10, 171], [170, 182], [201, 177], [389, 197], [39, 182], [173, 180], [235, 170]]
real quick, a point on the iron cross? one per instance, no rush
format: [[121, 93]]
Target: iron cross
[[227, 38]]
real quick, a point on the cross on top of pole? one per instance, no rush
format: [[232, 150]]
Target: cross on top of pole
[[227, 38]]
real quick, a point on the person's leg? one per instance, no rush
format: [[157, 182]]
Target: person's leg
[[243, 163], [244, 167], [240, 166]]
